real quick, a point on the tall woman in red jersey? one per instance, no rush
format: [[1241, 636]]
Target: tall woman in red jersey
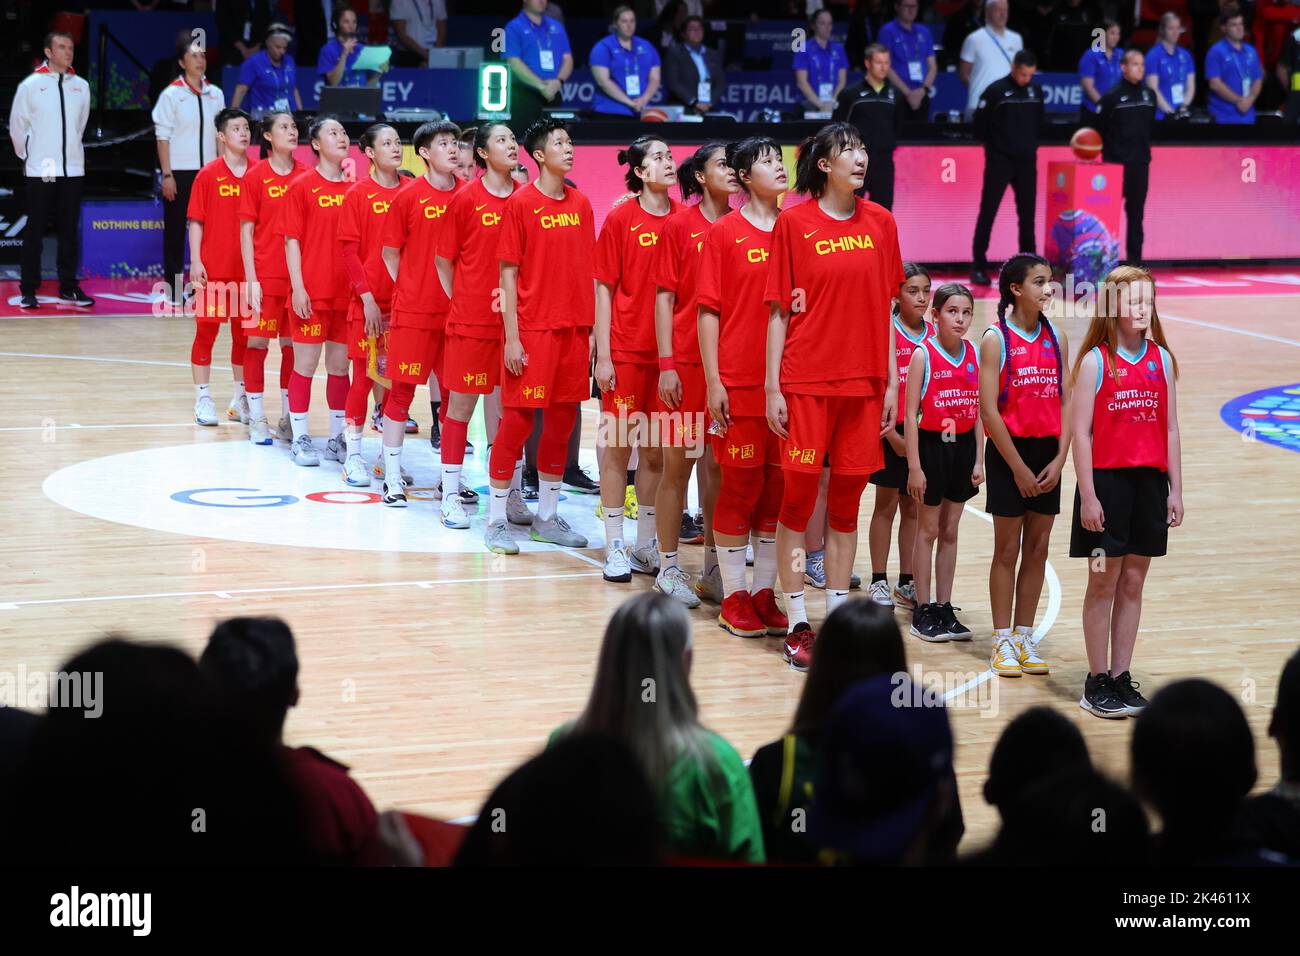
[[732, 332], [1023, 363], [319, 286], [683, 393], [627, 368], [832, 388], [261, 242], [1128, 461], [361, 234]]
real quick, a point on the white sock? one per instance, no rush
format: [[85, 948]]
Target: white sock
[[1022, 633], [451, 479], [765, 564], [337, 418], [201, 391], [834, 598], [353, 436], [299, 422], [794, 609], [548, 499], [255, 409], [497, 504], [393, 464], [613, 525], [667, 559], [238, 392], [731, 565], [517, 479], [645, 525], [711, 559], [284, 400], [1001, 632]]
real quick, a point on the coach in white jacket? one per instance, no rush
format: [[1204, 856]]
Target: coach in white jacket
[[184, 126], [46, 120]]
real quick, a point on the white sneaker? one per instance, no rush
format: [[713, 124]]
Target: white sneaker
[[516, 511], [205, 413], [905, 594], [1027, 653], [618, 567], [304, 452], [644, 558], [336, 449], [355, 472], [676, 583], [879, 592], [498, 540], [378, 471], [284, 428], [237, 411], [453, 513], [258, 432], [394, 496], [709, 586]]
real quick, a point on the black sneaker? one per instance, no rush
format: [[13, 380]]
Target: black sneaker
[[979, 277], [691, 532], [957, 631], [577, 481], [435, 436], [74, 295], [29, 302], [1099, 698], [1126, 689], [927, 624], [528, 486]]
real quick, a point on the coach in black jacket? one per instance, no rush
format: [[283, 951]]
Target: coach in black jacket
[[874, 107], [1006, 122], [1126, 114], [682, 77]]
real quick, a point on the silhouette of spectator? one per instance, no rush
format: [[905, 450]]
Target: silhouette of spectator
[[1272, 820], [1037, 744]]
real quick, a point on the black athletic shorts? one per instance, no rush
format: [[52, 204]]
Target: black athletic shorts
[[1002, 496], [894, 474], [947, 465], [1135, 514]]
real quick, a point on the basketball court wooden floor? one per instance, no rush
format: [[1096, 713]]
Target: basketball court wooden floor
[[433, 668]]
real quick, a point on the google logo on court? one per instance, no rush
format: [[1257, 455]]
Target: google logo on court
[[190, 496]]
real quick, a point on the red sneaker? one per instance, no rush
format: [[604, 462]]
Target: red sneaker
[[765, 606], [799, 646], [739, 617]]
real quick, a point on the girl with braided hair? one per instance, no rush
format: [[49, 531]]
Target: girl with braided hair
[[1023, 359]]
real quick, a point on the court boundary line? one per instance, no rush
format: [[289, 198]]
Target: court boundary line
[[1228, 328]]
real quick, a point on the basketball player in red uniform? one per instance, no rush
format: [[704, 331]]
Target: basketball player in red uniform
[[945, 455], [831, 387], [733, 320], [361, 233], [319, 285], [261, 241], [626, 354], [911, 328], [1128, 461], [683, 393], [1023, 370], [420, 303], [468, 263], [547, 251], [216, 269]]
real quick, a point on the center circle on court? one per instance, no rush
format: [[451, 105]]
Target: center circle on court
[[235, 491]]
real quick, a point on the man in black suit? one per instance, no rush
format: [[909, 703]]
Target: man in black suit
[[701, 91]]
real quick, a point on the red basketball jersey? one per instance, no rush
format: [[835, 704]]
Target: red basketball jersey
[[1130, 413], [1031, 380], [950, 391]]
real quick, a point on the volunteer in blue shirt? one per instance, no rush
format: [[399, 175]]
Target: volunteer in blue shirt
[[1170, 70], [1233, 72], [625, 68], [1099, 70], [334, 65], [913, 66], [821, 67], [540, 60], [269, 77]]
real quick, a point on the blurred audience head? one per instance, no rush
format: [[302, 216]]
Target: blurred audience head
[[1037, 744], [253, 665], [1284, 725]]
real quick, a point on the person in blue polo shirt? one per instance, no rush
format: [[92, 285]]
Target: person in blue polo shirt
[[1233, 72], [540, 60], [1099, 70], [269, 77], [1170, 70], [821, 67], [625, 68], [334, 65], [912, 62]]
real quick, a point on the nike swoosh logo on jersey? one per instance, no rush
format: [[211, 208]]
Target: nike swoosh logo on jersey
[[697, 234], [222, 179], [319, 188], [425, 200], [371, 195], [265, 181], [636, 227], [807, 234], [743, 238], [477, 208], [538, 209]]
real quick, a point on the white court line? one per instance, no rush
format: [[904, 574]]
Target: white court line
[[1049, 618], [1229, 328], [227, 594], [58, 428]]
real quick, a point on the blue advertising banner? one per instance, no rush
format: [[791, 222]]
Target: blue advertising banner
[[121, 238]]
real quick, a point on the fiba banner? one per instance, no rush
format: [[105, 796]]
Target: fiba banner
[[1083, 217], [122, 239], [13, 220]]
